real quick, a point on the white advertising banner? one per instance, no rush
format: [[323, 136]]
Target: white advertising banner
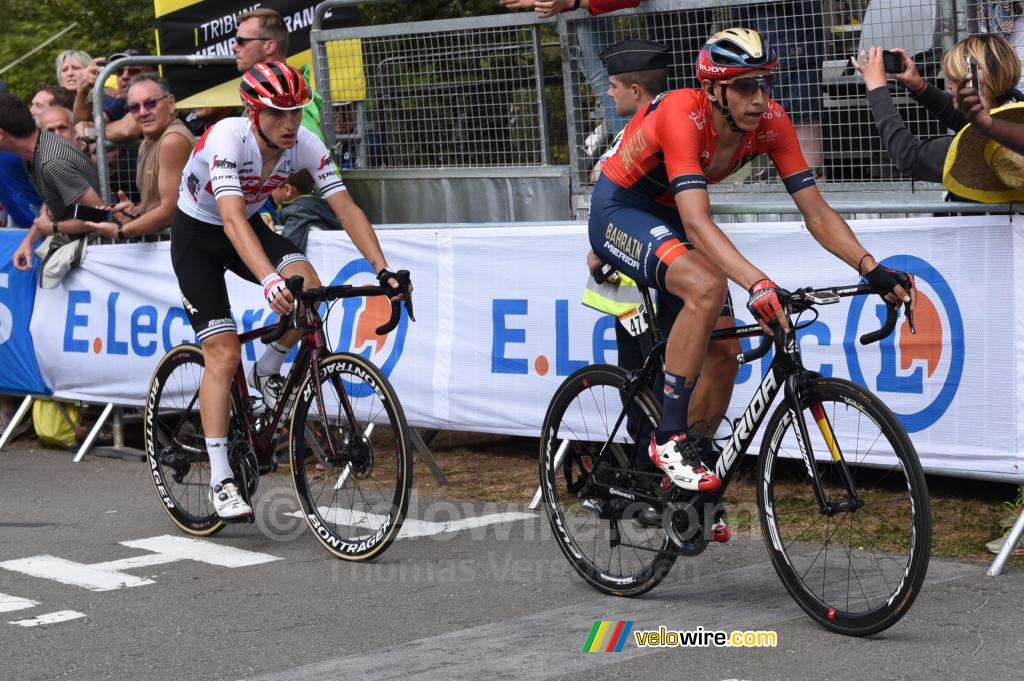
[[500, 325]]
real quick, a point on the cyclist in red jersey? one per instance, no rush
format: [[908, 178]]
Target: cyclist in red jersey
[[651, 218]]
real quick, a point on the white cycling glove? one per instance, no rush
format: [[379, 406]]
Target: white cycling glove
[[273, 284]]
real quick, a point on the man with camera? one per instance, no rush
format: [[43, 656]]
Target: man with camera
[[60, 173]]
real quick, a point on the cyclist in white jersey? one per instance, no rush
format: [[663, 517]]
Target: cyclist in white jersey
[[232, 171]]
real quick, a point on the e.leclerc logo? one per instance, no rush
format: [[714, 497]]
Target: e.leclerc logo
[[360, 317], [926, 368]]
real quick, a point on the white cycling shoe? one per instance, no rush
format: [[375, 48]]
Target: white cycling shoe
[[270, 387], [681, 463], [228, 502]]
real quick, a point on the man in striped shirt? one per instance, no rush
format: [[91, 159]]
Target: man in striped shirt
[[60, 173]]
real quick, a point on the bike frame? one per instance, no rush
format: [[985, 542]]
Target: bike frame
[[312, 347], [785, 373]]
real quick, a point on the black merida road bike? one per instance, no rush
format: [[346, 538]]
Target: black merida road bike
[[842, 499], [347, 436]]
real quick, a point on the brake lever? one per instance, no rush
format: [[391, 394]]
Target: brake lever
[[910, 317], [408, 306]]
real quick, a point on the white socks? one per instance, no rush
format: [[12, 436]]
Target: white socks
[[272, 359], [220, 469]]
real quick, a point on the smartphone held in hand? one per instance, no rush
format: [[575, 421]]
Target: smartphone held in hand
[[972, 68], [90, 214], [892, 62]]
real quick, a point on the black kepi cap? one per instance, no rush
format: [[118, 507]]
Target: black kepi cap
[[636, 55]]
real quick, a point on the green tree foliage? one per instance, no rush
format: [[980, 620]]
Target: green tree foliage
[[107, 26], [103, 27]]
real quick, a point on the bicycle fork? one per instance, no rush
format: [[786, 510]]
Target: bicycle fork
[[830, 508]]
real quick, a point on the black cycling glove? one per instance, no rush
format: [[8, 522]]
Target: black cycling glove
[[885, 279], [384, 275]]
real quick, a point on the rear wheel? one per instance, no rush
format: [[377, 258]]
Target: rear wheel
[[601, 535], [175, 444], [856, 572], [350, 457]]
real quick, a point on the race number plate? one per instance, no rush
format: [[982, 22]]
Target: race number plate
[[634, 320]]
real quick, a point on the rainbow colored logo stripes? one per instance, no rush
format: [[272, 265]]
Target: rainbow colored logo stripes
[[607, 637]]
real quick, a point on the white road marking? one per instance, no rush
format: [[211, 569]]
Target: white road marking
[[110, 575], [75, 574], [187, 548], [50, 618], [10, 603]]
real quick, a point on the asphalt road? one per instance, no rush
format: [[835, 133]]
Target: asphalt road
[[95, 583]]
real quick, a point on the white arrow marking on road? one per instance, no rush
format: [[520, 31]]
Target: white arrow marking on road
[[75, 574], [50, 618], [109, 575], [412, 528], [11, 603]]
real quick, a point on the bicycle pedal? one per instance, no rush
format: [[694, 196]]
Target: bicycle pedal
[[595, 507], [251, 518]]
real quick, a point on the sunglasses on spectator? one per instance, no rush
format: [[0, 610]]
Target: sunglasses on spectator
[[148, 105], [749, 86], [242, 42]]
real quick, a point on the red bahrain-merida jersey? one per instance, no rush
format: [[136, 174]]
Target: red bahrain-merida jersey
[[667, 146]]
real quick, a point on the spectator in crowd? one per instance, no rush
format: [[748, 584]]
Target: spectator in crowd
[[58, 120], [344, 148], [1005, 127], [70, 65], [594, 36], [166, 145], [202, 119], [118, 126], [50, 95], [60, 173], [299, 210], [21, 203], [924, 159], [797, 31], [982, 169], [1006, 19], [17, 196], [637, 73], [262, 36]]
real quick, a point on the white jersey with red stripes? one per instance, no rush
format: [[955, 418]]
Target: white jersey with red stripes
[[227, 162]]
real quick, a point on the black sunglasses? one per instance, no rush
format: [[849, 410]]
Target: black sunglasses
[[148, 104], [245, 41], [749, 85]]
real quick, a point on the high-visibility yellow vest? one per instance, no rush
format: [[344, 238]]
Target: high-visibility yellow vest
[[614, 299]]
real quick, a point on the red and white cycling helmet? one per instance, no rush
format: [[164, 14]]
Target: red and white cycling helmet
[[274, 85], [732, 53]]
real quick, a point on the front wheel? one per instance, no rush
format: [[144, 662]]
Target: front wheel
[[350, 457], [856, 572]]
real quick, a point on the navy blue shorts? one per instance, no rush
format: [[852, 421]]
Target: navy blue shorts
[[637, 236]]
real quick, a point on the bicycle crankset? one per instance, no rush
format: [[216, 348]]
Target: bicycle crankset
[[687, 528], [244, 466]]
